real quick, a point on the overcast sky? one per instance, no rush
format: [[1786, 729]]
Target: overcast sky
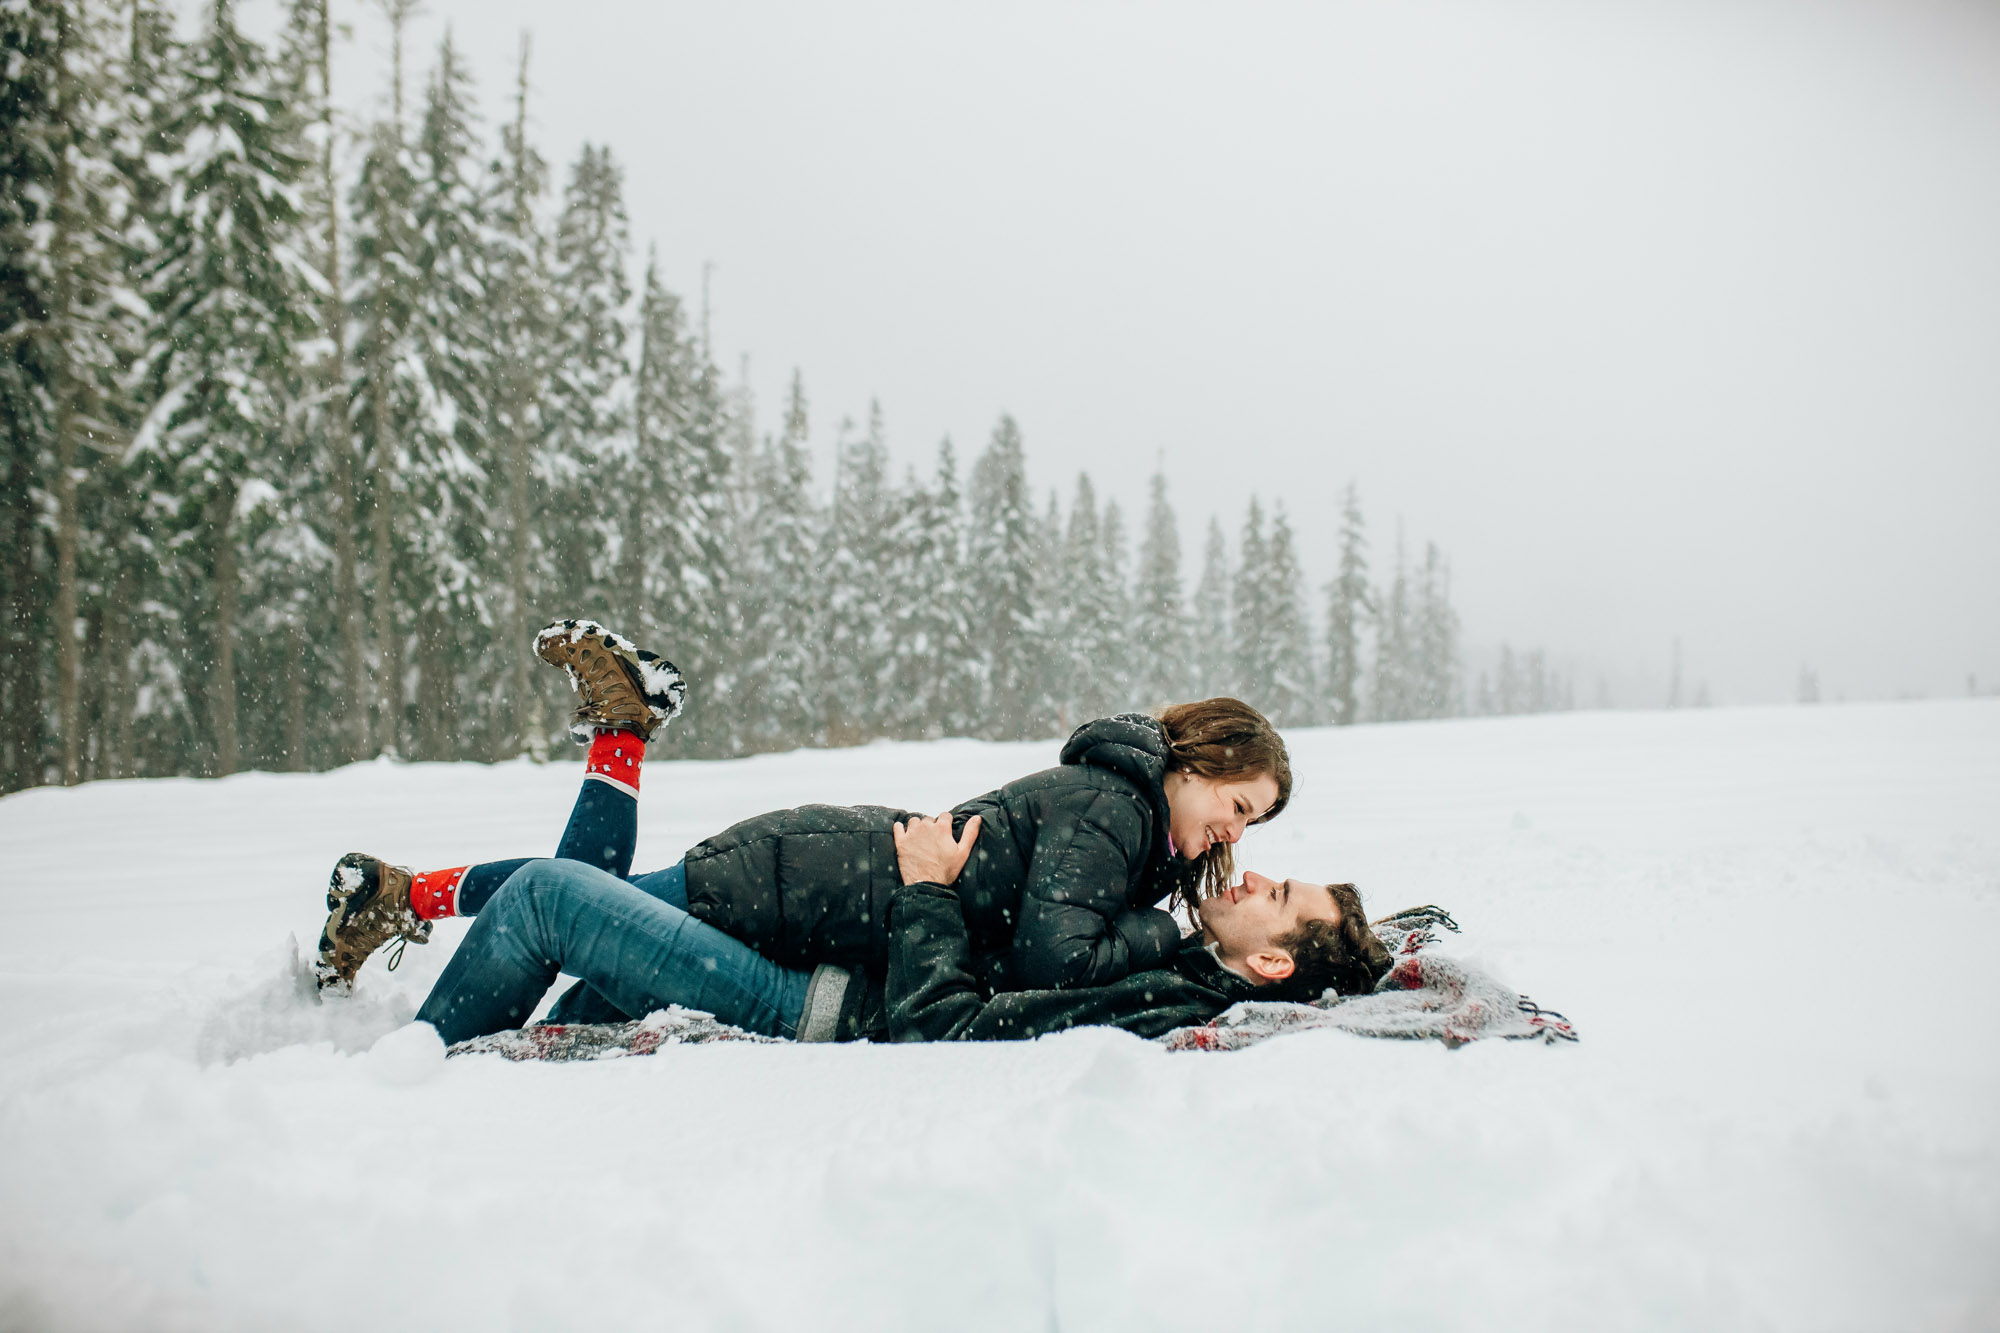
[[1674, 319]]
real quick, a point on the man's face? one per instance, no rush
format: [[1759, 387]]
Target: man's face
[[1246, 922]]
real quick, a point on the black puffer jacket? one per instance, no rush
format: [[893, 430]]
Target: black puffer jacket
[[932, 991], [1060, 891]]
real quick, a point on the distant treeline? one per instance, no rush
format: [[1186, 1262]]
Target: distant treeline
[[310, 426]]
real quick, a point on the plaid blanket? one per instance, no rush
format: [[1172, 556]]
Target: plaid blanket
[[672, 1026], [1422, 996]]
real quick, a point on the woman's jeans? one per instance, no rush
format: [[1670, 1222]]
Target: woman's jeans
[[632, 942]]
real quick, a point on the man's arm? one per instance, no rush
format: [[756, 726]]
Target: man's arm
[[933, 995]]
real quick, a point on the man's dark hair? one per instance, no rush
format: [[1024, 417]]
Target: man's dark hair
[[1342, 956]]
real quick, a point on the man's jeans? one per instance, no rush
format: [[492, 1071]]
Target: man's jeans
[[632, 943]]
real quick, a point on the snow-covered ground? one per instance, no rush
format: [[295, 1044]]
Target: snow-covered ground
[[1775, 929]]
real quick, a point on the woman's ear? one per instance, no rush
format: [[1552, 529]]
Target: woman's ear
[[1270, 966]]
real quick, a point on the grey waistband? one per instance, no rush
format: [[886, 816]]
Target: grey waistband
[[820, 1020]]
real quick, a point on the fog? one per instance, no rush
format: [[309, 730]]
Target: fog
[[1664, 320]]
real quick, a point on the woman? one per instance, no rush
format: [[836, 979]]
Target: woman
[[1062, 889]]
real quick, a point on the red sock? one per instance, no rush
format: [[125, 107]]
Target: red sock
[[434, 893], [615, 757]]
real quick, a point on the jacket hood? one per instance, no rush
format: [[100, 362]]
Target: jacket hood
[[1134, 746], [1131, 745]]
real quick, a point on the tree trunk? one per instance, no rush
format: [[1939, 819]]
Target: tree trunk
[[524, 700], [389, 693], [340, 439], [63, 386], [20, 664], [346, 581], [116, 654], [69, 722], [436, 711], [294, 729], [222, 686]]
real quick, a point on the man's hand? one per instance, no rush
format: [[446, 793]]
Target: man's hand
[[928, 854]]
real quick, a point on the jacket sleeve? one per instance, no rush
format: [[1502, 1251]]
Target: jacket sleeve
[[932, 994], [1076, 928]]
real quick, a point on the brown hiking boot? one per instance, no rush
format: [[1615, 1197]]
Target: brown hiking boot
[[617, 684], [368, 905]]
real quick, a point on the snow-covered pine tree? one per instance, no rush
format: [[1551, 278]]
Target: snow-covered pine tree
[[1507, 693], [1535, 682], [1213, 658], [289, 644], [290, 518], [590, 392], [286, 630], [1000, 584], [1088, 613], [1251, 613], [856, 563], [957, 669], [31, 146], [925, 607], [520, 326], [778, 695], [1287, 638], [1391, 694], [230, 289], [387, 392], [331, 648], [737, 443], [669, 491], [1436, 635], [447, 575], [69, 331], [1119, 664], [84, 318], [1159, 613], [390, 388], [907, 703], [664, 375], [141, 701], [1349, 604], [1050, 710]]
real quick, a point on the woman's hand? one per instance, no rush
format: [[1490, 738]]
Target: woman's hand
[[928, 854]]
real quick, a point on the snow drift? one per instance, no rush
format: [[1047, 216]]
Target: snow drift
[[1775, 926]]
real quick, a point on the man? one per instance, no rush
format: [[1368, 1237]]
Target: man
[[1263, 939]]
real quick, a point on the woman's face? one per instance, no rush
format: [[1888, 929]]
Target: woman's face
[[1204, 811], [1246, 922]]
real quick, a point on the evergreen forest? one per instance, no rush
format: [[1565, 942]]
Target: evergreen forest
[[309, 425]]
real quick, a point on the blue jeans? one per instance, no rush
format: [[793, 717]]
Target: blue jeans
[[632, 942], [636, 952], [581, 1004]]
